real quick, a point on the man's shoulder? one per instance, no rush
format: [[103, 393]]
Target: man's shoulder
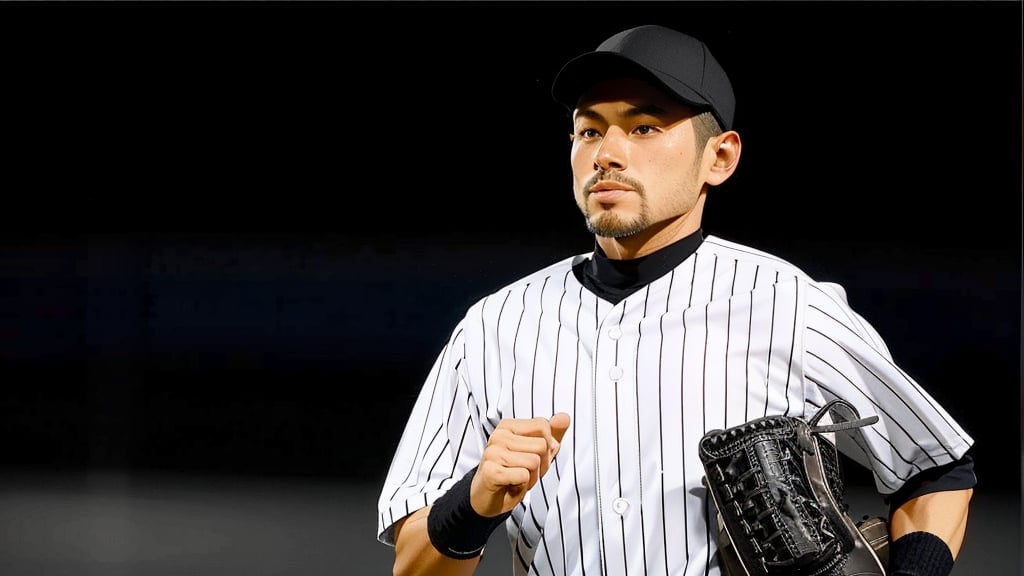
[[786, 271], [556, 274], [746, 254], [559, 271]]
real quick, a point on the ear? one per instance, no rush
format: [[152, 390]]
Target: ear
[[726, 148]]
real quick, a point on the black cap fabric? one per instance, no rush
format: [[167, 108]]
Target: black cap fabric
[[679, 63]]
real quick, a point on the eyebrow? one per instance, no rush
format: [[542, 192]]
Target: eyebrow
[[633, 112]]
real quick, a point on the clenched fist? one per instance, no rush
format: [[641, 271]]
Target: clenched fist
[[518, 453]]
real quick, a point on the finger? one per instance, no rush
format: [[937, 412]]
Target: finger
[[519, 443], [551, 430], [533, 463], [535, 435], [537, 427], [559, 424], [497, 489], [498, 476], [529, 461]]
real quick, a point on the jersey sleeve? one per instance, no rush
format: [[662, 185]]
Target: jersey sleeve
[[846, 358], [441, 441]]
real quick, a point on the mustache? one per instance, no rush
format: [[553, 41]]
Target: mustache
[[612, 176]]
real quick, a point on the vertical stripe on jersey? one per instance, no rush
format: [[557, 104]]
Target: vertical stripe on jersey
[[575, 428], [618, 448], [771, 348], [682, 408], [746, 365], [487, 355], [707, 335], [639, 432], [599, 508], [704, 381], [661, 421], [515, 356], [555, 465]]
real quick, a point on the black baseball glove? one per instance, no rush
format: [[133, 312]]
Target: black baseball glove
[[777, 485]]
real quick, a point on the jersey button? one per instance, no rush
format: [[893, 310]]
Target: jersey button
[[615, 373], [620, 505], [614, 333]]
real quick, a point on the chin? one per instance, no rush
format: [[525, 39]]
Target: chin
[[611, 225]]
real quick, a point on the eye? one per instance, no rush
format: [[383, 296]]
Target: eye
[[587, 133], [644, 129]]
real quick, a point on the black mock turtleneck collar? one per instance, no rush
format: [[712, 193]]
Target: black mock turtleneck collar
[[613, 280]]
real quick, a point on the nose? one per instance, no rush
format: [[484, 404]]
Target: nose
[[611, 154]]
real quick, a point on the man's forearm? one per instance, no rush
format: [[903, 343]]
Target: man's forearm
[[943, 514], [416, 556]]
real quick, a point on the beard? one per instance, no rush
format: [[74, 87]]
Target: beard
[[611, 225]]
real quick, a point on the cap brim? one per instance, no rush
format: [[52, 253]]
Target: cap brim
[[582, 72]]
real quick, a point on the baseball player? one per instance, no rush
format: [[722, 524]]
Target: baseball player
[[568, 405]]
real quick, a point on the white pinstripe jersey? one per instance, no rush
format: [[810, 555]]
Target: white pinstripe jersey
[[730, 334]]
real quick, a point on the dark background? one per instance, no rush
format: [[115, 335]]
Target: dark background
[[234, 235]]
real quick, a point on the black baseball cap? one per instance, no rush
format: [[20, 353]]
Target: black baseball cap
[[679, 63]]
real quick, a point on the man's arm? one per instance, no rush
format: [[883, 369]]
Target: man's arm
[[415, 555], [446, 539], [943, 514], [928, 520]]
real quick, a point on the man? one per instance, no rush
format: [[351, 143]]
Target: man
[[569, 404]]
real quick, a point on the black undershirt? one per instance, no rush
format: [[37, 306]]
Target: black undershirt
[[614, 280]]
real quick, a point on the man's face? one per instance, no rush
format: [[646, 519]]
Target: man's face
[[635, 161]]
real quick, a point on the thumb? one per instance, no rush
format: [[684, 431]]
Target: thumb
[[559, 424]]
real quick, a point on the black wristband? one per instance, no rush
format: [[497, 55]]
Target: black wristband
[[919, 554], [455, 529]]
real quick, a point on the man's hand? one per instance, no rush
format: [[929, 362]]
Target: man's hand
[[517, 455]]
